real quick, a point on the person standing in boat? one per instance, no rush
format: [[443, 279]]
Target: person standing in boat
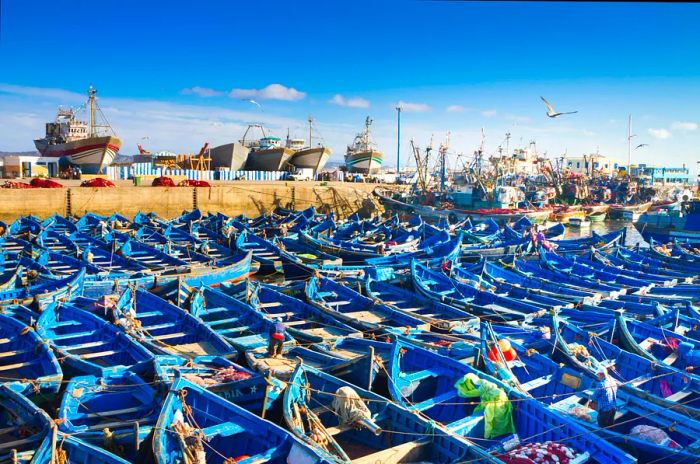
[[277, 331], [605, 398]]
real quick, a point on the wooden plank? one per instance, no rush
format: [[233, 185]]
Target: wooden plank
[[411, 451]]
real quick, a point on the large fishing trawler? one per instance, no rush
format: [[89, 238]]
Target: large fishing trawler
[[90, 146], [361, 157], [308, 157]]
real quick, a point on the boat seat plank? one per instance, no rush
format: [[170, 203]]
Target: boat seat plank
[[671, 358], [8, 367], [412, 451], [433, 401], [98, 354], [10, 354], [679, 395], [535, 383], [419, 375], [225, 429], [646, 344]]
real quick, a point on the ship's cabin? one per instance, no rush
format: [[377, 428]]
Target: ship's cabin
[[296, 144], [270, 142]]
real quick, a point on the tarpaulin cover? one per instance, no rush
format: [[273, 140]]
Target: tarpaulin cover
[[163, 182], [498, 411], [97, 182], [45, 183]]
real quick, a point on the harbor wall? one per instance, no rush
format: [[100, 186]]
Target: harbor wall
[[240, 197]]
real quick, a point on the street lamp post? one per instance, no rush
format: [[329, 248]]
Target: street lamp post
[[398, 143]]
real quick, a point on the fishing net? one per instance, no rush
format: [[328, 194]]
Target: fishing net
[[44, 183], [349, 407], [498, 411], [193, 183], [539, 453], [163, 181], [97, 182]]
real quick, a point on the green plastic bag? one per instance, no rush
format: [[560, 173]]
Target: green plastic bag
[[498, 411]]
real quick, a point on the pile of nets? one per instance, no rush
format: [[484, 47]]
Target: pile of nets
[[193, 183], [44, 183], [222, 375], [539, 453], [11, 184], [97, 182], [163, 181]]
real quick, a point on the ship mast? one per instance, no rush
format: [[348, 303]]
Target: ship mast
[[91, 101], [311, 120]]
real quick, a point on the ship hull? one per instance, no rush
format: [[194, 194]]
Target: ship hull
[[92, 154], [364, 162], [273, 159], [311, 158]]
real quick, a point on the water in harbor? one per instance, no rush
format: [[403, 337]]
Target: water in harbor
[[633, 237]]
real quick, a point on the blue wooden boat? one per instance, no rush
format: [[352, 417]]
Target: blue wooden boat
[[28, 365], [145, 255], [486, 305], [524, 294], [231, 381], [655, 343], [667, 227], [221, 432], [166, 329], [348, 252], [314, 408], [354, 309], [116, 412], [22, 426], [440, 316], [88, 344], [663, 285], [614, 257], [248, 331], [540, 272], [427, 382], [648, 262], [663, 385], [495, 273], [264, 252], [304, 322], [434, 254], [45, 293], [566, 390], [74, 451]]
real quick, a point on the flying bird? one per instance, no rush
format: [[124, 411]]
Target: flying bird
[[550, 111], [641, 145], [253, 102]]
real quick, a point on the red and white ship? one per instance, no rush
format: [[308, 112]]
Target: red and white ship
[[90, 146]]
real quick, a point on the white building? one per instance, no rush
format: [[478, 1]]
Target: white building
[[591, 165]]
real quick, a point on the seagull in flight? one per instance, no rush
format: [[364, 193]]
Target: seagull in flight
[[253, 102], [550, 111], [641, 145]]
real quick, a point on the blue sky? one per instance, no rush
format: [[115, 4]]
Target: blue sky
[[178, 72]]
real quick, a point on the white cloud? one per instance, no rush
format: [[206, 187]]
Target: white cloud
[[271, 92], [455, 109], [512, 117], [201, 91], [685, 126], [659, 133], [410, 107], [488, 113], [26, 91], [351, 102]]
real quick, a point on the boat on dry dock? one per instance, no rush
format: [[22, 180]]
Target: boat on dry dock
[[87, 145], [361, 156]]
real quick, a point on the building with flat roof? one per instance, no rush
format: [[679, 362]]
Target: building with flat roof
[[592, 165], [662, 175]]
